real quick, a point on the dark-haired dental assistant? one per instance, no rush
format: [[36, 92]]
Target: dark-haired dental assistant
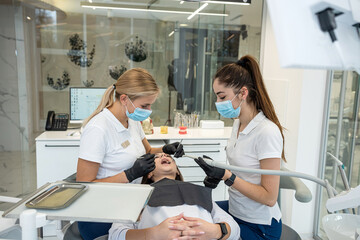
[[257, 142]]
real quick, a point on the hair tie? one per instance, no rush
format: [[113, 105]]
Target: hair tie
[[241, 63]]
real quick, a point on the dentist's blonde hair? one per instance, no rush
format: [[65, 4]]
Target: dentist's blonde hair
[[134, 83]]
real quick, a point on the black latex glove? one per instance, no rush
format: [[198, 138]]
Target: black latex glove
[[142, 166], [211, 182], [210, 171], [175, 148]]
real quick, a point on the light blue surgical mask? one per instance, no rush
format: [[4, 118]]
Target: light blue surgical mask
[[227, 110], [139, 114]]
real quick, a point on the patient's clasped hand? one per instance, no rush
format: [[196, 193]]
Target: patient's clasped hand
[[177, 210]]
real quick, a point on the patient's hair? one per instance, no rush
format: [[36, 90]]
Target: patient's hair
[[147, 180]]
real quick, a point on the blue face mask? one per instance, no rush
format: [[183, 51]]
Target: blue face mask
[[139, 114], [226, 109]]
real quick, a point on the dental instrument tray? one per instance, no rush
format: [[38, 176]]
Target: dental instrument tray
[[58, 196]]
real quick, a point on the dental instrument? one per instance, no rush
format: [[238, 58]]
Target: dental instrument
[[178, 147]]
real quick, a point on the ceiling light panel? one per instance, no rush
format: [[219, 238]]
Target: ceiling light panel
[[152, 9]]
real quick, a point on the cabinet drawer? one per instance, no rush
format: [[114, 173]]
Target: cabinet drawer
[[203, 148], [156, 143], [192, 172], [55, 160], [206, 142]]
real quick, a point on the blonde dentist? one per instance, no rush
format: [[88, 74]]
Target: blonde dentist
[[113, 146]]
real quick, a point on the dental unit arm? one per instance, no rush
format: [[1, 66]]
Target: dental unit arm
[[348, 199]]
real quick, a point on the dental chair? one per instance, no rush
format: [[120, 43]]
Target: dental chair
[[302, 194], [71, 230]]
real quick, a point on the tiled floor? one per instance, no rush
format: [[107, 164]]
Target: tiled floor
[[17, 175]]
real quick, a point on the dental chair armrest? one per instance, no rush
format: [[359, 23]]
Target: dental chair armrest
[[302, 192]]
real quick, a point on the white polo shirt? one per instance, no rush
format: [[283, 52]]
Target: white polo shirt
[[106, 141], [260, 139]]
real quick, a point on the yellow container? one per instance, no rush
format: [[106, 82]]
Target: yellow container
[[163, 129]]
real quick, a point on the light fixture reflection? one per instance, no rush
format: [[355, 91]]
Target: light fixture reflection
[[114, 6], [197, 11], [228, 3]]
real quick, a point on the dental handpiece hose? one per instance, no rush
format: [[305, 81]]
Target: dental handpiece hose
[[268, 172], [341, 170]]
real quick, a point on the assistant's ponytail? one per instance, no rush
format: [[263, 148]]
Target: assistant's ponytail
[[262, 99]]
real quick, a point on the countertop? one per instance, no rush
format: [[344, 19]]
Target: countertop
[[173, 133], [192, 133]]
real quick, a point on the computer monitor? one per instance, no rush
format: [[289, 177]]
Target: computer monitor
[[83, 102]]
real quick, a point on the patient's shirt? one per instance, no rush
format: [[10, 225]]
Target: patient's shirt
[[172, 197], [177, 197], [153, 216]]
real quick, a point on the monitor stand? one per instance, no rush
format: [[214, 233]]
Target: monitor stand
[[75, 125]]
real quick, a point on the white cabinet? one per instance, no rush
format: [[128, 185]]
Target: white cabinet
[[55, 160], [57, 154]]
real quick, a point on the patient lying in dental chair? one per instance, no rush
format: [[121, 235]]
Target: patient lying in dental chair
[[177, 210]]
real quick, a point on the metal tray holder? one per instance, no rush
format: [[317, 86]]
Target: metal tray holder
[[57, 197]]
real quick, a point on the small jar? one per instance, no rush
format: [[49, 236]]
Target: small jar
[[163, 129]]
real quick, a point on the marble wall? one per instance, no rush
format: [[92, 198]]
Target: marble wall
[[17, 153], [12, 133], [9, 99]]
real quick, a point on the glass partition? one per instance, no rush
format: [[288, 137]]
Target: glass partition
[[342, 138], [91, 43], [50, 46]]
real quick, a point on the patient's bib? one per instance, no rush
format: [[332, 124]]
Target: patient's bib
[[170, 192]]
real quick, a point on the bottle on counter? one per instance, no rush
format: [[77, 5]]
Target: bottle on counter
[[148, 126], [163, 129]]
